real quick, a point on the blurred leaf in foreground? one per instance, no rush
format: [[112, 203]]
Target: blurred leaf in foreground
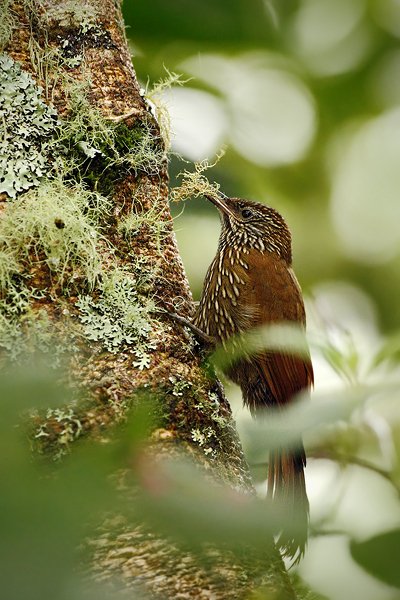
[[316, 419], [47, 509], [288, 337], [380, 556], [185, 503]]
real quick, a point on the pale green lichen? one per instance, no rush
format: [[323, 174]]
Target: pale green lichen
[[195, 183], [46, 62], [7, 23], [72, 14], [70, 428], [119, 318], [9, 266], [23, 331], [12, 307], [92, 147], [155, 98], [27, 125], [58, 223], [180, 386], [61, 226], [203, 438]]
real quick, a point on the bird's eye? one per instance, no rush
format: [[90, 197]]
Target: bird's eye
[[246, 213]]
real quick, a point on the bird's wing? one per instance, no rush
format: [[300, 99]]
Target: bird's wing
[[285, 375], [276, 295]]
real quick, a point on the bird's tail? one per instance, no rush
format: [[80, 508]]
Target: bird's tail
[[287, 490]]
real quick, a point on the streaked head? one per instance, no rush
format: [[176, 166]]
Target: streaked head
[[253, 225]]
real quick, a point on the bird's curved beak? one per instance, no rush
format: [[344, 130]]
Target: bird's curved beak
[[222, 203]]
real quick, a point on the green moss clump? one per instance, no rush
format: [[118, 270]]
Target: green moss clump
[[139, 147], [100, 151], [85, 134]]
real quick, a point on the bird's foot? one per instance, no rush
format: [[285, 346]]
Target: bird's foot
[[199, 334]]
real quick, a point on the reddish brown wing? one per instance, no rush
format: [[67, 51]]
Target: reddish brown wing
[[286, 375], [275, 296]]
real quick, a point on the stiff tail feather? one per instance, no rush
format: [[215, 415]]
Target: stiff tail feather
[[287, 488]]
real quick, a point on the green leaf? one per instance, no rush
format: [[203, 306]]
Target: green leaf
[[380, 556]]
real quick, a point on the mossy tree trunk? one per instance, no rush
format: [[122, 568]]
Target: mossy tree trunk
[[88, 249]]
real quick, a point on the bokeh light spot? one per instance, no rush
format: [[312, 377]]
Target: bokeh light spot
[[365, 196], [198, 122], [273, 117], [329, 36], [271, 111]]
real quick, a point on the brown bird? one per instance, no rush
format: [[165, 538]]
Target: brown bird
[[250, 283]]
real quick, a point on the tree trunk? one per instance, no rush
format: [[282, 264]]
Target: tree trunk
[[77, 263]]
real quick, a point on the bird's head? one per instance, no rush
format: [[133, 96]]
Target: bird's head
[[250, 224]]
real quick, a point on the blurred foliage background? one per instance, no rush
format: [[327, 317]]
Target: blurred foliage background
[[305, 94]]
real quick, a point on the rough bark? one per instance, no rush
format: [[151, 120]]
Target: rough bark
[[93, 31]]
